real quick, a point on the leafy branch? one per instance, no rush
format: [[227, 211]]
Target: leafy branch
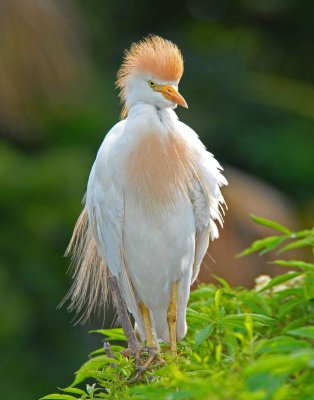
[[241, 344]]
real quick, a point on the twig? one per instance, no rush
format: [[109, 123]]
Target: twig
[[123, 313], [109, 353]]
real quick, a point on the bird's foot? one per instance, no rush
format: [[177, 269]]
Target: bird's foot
[[133, 352], [147, 355]]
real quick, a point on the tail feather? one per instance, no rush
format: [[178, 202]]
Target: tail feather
[[89, 289]]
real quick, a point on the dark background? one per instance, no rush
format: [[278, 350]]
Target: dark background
[[250, 88]]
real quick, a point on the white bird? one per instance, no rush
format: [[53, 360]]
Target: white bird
[[153, 199]]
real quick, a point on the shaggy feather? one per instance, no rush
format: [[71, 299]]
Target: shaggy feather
[[89, 289]]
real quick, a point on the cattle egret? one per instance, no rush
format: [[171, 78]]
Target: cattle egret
[[153, 199]]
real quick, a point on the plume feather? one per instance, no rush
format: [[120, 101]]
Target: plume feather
[[89, 289]]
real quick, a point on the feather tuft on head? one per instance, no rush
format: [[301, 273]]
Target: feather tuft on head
[[153, 54]]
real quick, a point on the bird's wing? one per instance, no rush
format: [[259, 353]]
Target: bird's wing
[[105, 205], [106, 212], [205, 196], [201, 211]]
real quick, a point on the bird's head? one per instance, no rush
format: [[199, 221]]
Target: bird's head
[[150, 73]]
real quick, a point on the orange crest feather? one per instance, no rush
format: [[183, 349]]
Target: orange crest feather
[[153, 54]]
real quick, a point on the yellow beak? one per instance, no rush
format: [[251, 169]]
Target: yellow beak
[[170, 93]]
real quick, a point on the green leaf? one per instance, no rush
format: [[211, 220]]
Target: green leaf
[[297, 244], [309, 285], [296, 323], [203, 291], [271, 224], [282, 364], [218, 296], [58, 396], [271, 246], [222, 281], [290, 305], [294, 264], [113, 334], [303, 233], [73, 390], [203, 334], [263, 245], [238, 320], [89, 368], [281, 344], [279, 279], [197, 315], [257, 303], [97, 352], [305, 331]]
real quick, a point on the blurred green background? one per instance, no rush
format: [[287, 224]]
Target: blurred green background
[[249, 84]]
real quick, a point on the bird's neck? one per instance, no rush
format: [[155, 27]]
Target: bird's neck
[[152, 118]]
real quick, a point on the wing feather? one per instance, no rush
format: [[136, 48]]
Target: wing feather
[[105, 205], [205, 195]]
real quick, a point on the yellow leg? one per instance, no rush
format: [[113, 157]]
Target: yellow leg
[[151, 345], [148, 326], [172, 318]]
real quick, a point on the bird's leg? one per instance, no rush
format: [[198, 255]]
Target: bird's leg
[[172, 318], [133, 343], [150, 342], [150, 347], [148, 326]]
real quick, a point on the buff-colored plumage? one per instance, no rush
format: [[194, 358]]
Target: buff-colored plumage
[[170, 166], [153, 54], [153, 198]]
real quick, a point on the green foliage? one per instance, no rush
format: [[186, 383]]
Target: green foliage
[[241, 344], [295, 240]]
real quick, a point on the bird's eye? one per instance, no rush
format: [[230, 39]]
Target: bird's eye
[[151, 84]]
